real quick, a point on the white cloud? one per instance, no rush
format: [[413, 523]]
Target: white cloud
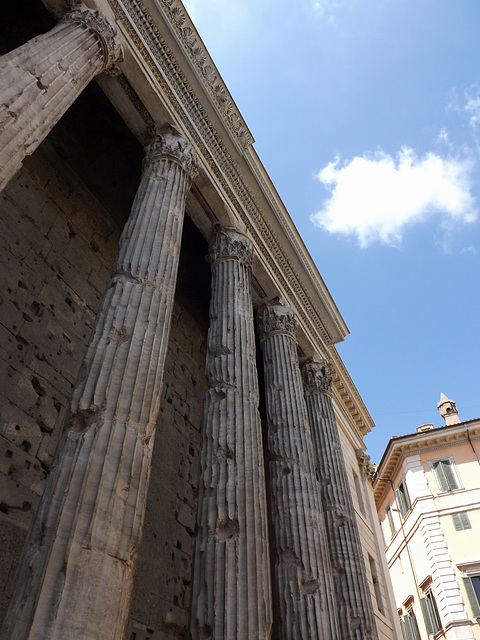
[[472, 105], [375, 198]]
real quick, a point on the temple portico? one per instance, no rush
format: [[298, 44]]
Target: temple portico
[[165, 317]]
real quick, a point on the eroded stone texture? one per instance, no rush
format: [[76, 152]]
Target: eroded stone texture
[[41, 79], [231, 591], [86, 532], [356, 616], [304, 601]]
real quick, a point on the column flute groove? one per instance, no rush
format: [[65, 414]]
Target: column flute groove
[[85, 535], [356, 615], [41, 79], [304, 604], [231, 597]]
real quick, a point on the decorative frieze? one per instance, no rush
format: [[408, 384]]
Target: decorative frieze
[[41, 79], [231, 588], [303, 587], [355, 609], [86, 533]]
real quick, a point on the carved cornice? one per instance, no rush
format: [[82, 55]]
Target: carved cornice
[[182, 98], [230, 244], [316, 376], [103, 29], [170, 144], [276, 319]]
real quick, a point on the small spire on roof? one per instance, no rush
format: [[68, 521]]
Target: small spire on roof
[[448, 410]]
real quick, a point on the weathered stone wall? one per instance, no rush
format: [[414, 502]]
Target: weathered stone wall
[[57, 248], [161, 597]]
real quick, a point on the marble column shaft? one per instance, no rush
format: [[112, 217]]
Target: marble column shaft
[[231, 590], [304, 605], [41, 79], [75, 576], [356, 615]]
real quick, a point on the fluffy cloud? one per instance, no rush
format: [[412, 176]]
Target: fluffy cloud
[[375, 198]]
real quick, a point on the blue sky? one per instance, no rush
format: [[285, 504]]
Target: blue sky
[[366, 114]]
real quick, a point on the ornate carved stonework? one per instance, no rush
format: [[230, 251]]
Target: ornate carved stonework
[[275, 318], [170, 144], [316, 376], [106, 32], [228, 243], [367, 468], [178, 91]]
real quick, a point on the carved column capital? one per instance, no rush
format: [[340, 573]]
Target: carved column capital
[[316, 374], [229, 244], [103, 28], [275, 318], [168, 143], [367, 468]]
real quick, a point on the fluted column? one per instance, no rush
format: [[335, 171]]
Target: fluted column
[[231, 590], [42, 78], [75, 576], [357, 619], [304, 602]]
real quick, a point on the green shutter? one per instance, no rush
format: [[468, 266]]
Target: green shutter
[[390, 521], [472, 596], [406, 496], [427, 616], [461, 521], [450, 475], [446, 478], [400, 503], [402, 627]]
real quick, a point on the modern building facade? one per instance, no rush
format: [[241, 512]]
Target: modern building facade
[[181, 445], [427, 492]]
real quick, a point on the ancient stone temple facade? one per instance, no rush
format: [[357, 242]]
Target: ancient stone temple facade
[[181, 446]]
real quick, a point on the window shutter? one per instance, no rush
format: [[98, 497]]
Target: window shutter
[[461, 521], [446, 478], [472, 596], [402, 627], [390, 521], [450, 475], [400, 502], [440, 474], [406, 497], [427, 616], [408, 628]]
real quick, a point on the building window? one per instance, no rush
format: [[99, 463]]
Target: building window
[[409, 626], [358, 488], [461, 521], [389, 515], [445, 475], [430, 611], [403, 499], [472, 587]]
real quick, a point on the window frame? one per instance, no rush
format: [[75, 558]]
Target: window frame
[[431, 614], [391, 521], [402, 497], [461, 520], [443, 482]]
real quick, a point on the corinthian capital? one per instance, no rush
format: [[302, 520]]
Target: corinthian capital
[[316, 376], [168, 143], [103, 29], [276, 318], [230, 244]]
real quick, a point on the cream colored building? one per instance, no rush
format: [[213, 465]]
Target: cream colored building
[[427, 493]]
